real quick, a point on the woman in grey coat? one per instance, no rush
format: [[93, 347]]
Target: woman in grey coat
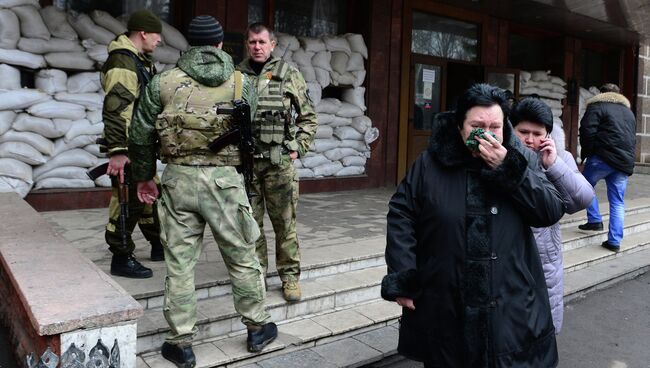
[[533, 122]]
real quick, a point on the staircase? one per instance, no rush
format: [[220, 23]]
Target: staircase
[[341, 318]]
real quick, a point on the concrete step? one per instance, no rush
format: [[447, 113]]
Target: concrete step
[[217, 316], [212, 278], [632, 206], [604, 274], [574, 238], [296, 335], [580, 258]]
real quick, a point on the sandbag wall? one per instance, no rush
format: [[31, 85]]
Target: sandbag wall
[[341, 145], [550, 89], [48, 133]]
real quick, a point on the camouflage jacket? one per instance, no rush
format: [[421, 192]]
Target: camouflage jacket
[[299, 134], [120, 83], [199, 66]]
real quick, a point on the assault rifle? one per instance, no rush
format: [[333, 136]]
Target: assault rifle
[[241, 134], [123, 196]]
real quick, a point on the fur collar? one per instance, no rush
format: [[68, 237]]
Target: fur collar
[[446, 145], [611, 97]]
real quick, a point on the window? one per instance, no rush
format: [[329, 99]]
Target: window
[[256, 11], [161, 8], [309, 18], [444, 37]]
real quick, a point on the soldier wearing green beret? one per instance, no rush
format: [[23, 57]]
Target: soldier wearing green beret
[[280, 139], [124, 77]]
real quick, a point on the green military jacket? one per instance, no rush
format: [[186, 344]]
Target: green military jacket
[[120, 83], [281, 87], [177, 116]]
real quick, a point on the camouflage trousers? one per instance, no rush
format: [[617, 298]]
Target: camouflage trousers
[[276, 191], [192, 197], [143, 215]]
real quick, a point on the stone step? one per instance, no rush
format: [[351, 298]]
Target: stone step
[[295, 335], [604, 274], [216, 316], [580, 258], [574, 238], [632, 206], [212, 278]]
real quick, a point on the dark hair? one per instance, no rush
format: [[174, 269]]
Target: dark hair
[[259, 27], [533, 110], [480, 94], [609, 87]]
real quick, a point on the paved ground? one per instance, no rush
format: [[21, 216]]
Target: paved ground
[[607, 329]]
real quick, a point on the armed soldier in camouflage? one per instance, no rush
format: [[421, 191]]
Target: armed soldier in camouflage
[[124, 76], [179, 114], [280, 139]]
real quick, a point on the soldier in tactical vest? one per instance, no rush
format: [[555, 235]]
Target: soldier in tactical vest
[[124, 76], [280, 139], [178, 118]]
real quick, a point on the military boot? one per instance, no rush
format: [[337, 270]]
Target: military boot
[[128, 266], [260, 336], [291, 290], [181, 355], [157, 251]]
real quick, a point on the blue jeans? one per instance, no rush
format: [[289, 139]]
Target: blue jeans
[[596, 169]]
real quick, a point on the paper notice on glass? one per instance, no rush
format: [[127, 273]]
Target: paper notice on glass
[[428, 76], [427, 91]]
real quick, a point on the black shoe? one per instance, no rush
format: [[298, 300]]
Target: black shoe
[[591, 226], [157, 252], [128, 266], [257, 340], [607, 245], [183, 357]]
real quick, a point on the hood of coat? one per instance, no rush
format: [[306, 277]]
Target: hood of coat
[[610, 97], [446, 144], [207, 65]]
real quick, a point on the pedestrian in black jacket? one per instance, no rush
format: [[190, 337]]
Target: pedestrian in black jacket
[[607, 138], [462, 260]]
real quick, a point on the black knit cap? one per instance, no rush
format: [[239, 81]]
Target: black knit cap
[[144, 20], [204, 30]]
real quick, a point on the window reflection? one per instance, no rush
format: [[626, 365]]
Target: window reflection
[[444, 37]]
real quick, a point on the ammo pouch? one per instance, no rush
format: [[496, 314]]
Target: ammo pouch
[[272, 127], [190, 134]]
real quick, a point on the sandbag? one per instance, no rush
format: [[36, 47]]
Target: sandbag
[[524, 76], [371, 135], [305, 173], [323, 60], [31, 23], [539, 75], [322, 77], [8, 185], [173, 37], [83, 127], [322, 145], [95, 150], [22, 152], [355, 96], [166, 54], [311, 44], [323, 131], [6, 120], [335, 43], [302, 57], [315, 92], [105, 20], [63, 125], [94, 117], [51, 81], [350, 170], [313, 161], [347, 132], [51, 183], [70, 60], [57, 109], [36, 141], [339, 62], [86, 28], [357, 44], [84, 82], [12, 3], [9, 77], [15, 169], [91, 101], [41, 46], [22, 58], [9, 29], [340, 121], [65, 172], [56, 22], [328, 105], [308, 73], [41, 126], [339, 153], [80, 141], [327, 169], [357, 145], [73, 157], [21, 98], [348, 110], [355, 63], [345, 79], [288, 42], [353, 160], [95, 51], [104, 181], [359, 77], [324, 118], [558, 81]]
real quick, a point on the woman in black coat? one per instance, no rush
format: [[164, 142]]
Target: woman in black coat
[[462, 260]]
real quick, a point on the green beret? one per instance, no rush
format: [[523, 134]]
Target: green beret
[[144, 20]]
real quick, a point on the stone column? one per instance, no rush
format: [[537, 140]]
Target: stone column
[[643, 106]]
